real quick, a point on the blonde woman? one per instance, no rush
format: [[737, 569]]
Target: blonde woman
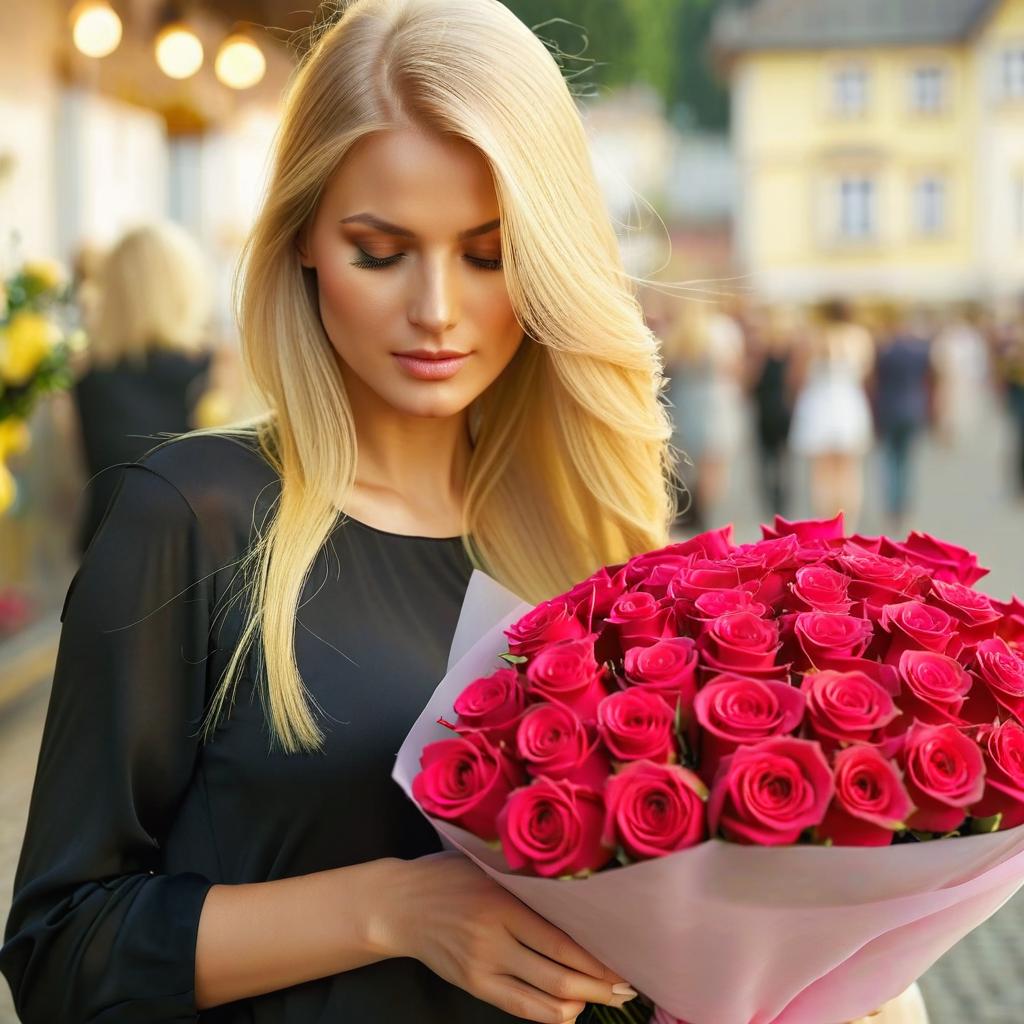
[[149, 356], [457, 374]]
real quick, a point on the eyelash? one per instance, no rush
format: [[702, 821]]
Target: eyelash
[[368, 262]]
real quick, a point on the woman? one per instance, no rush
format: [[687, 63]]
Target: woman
[[149, 359], [264, 611], [832, 418]]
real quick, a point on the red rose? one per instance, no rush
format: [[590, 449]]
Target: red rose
[[822, 635], [567, 673], [593, 597], [551, 740], [1003, 749], [641, 618], [703, 576], [1011, 620], [492, 705], [944, 773], [667, 668], [652, 571], [1003, 669], [913, 625], [654, 809], [875, 579], [717, 602], [636, 724], [552, 828], [466, 781], [733, 711], [974, 611], [819, 588], [740, 641], [768, 793], [809, 531], [871, 802], [935, 687], [846, 707], [549, 622], [942, 560]]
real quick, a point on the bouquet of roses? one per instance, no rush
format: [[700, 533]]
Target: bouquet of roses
[[742, 756]]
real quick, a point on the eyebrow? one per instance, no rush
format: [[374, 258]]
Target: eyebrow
[[394, 229]]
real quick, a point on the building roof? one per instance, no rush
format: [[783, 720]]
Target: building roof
[[821, 24]]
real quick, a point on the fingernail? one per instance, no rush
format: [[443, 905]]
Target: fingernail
[[624, 990]]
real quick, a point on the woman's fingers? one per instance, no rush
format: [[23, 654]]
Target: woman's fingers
[[532, 930], [558, 980], [516, 997]]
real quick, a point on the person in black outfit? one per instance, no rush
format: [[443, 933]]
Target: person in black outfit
[[147, 366], [214, 833]]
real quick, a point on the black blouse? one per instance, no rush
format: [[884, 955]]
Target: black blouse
[[132, 818]]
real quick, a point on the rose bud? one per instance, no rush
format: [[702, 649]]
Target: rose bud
[[636, 724], [466, 781], [654, 809], [768, 793], [846, 707], [944, 773], [567, 673], [1002, 746], [552, 828], [548, 623], [552, 741], [733, 711], [492, 705], [871, 802]]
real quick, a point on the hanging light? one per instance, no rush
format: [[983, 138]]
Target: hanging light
[[178, 49], [95, 27], [240, 63]]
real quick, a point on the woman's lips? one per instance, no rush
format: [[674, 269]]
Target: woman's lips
[[430, 369]]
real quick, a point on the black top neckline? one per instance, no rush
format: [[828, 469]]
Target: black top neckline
[[401, 536]]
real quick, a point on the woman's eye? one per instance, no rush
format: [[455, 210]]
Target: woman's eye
[[368, 262]]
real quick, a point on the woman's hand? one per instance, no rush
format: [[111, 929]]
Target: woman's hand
[[444, 911]]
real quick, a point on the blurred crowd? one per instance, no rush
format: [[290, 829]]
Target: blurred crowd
[[830, 383]]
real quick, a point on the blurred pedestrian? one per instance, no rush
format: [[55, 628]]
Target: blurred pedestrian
[[774, 333], [704, 359], [831, 418], [148, 356], [1009, 353], [901, 386], [960, 358]]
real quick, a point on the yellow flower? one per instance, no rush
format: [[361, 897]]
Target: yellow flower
[[14, 436], [49, 274], [24, 343], [7, 489]]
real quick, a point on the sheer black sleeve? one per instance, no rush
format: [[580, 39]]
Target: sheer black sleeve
[[96, 932]]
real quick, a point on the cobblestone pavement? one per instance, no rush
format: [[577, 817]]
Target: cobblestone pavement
[[962, 497]]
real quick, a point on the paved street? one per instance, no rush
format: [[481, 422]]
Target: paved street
[[963, 498]]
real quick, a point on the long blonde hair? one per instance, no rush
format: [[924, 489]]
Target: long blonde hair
[[571, 461], [152, 291]]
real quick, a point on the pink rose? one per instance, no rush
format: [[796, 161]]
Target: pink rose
[[1011, 620], [567, 673], [846, 707], [717, 602], [915, 625], [553, 828], [1002, 668], [551, 740], [819, 588], [549, 622], [593, 597], [877, 580], [871, 802], [974, 612], [935, 687], [466, 781], [654, 809], [942, 560], [492, 705], [1002, 746], [944, 773], [733, 711], [768, 793], [667, 668], [824, 635], [640, 618], [636, 724], [740, 641], [703, 576], [809, 531]]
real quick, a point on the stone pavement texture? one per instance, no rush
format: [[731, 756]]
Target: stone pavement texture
[[962, 496]]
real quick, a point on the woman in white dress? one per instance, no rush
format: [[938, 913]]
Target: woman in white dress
[[832, 423]]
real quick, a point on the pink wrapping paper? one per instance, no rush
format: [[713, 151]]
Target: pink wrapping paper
[[729, 934]]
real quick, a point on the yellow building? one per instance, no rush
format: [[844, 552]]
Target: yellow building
[[880, 146]]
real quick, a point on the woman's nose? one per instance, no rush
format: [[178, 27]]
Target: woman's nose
[[435, 304]]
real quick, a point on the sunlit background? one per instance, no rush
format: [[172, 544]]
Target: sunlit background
[[824, 199]]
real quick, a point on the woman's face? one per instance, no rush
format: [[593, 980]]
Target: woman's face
[[407, 250]]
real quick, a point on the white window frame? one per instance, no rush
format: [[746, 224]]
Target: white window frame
[[843, 103], [857, 208], [930, 194], [928, 88]]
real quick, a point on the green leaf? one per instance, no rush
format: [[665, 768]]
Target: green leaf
[[513, 659], [980, 825]]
